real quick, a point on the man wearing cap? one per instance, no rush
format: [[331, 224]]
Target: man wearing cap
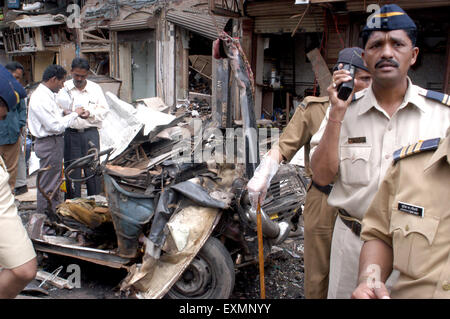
[[318, 216], [407, 226], [47, 122], [17, 255], [10, 133], [20, 186], [357, 138], [79, 91]]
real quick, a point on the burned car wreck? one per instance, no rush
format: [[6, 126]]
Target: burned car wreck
[[176, 212]]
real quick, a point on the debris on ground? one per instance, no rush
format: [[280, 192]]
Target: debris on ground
[[53, 279], [152, 176]]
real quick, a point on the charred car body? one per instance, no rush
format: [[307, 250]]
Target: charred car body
[[180, 227]]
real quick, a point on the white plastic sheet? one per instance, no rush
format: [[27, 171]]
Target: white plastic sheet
[[124, 121], [120, 125]]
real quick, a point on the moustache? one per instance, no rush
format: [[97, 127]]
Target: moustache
[[388, 61]]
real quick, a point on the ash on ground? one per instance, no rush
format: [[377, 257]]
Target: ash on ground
[[283, 274]]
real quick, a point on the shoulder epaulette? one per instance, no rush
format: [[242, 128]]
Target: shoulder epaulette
[[436, 96], [419, 147], [358, 95], [314, 99]]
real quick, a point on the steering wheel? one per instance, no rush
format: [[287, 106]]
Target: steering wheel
[[92, 160]]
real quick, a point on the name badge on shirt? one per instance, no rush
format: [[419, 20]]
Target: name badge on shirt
[[356, 140], [411, 209]]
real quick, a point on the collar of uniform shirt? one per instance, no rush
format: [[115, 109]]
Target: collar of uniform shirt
[[411, 97], [442, 151]]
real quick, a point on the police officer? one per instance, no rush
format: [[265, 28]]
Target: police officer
[[407, 226], [318, 216], [357, 138], [17, 256]]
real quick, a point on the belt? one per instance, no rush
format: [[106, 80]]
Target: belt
[[324, 189], [41, 138], [81, 130], [351, 222]]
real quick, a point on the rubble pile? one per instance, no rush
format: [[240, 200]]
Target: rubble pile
[[178, 217], [197, 108], [199, 83]]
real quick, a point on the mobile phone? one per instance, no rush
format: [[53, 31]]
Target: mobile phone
[[346, 88]]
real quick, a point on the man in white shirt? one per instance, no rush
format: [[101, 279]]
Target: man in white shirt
[[83, 93], [47, 123]]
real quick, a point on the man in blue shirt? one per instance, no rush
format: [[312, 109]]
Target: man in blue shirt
[[10, 132], [18, 71]]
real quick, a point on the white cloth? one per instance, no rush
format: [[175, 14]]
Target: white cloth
[[362, 166], [45, 117], [91, 98]]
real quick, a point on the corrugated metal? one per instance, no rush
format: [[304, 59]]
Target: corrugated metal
[[273, 8], [282, 24], [132, 24], [283, 16], [275, 16], [203, 24], [39, 21], [313, 21], [360, 5], [261, 8]]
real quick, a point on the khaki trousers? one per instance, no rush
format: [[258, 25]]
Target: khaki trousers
[[319, 219], [16, 248], [10, 154]]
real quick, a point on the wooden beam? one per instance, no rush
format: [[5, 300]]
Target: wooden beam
[[38, 39], [300, 21], [92, 36], [320, 69], [56, 281], [125, 70]]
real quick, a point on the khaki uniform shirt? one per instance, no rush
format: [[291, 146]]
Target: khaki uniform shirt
[[301, 128], [367, 141], [411, 213]]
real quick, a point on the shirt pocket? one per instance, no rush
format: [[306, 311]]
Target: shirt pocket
[[354, 164], [412, 242]]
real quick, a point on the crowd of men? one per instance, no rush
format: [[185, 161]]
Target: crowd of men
[[376, 217], [63, 117]]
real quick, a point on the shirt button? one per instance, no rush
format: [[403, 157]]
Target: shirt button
[[390, 128], [387, 156], [407, 227], [446, 286]]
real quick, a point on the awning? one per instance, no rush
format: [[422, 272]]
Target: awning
[[133, 24], [206, 25], [38, 21]]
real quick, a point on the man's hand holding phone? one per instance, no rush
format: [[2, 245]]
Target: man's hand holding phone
[[338, 105]]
